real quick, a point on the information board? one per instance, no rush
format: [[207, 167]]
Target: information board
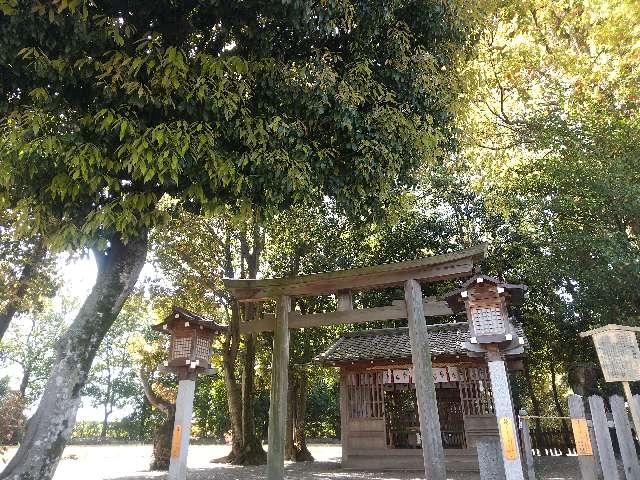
[[618, 354]]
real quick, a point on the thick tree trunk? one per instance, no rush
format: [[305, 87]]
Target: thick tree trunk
[[299, 436], [252, 452], [163, 433], [162, 437], [29, 271], [50, 427], [296, 440], [234, 401], [560, 411]]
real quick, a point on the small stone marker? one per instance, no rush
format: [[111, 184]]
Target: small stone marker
[[490, 459]]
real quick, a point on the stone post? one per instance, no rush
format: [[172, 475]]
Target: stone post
[[505, 416], [182, 427], [526, 445]]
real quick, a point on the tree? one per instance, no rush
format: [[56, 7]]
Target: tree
[[30, 344], [112, 380], [550, 141], [149, 354], [26, 273], [111, 110]]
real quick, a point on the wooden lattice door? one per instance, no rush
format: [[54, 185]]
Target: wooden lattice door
[[451, 417]]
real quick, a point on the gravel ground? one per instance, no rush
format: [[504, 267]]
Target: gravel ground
[[130, 462]]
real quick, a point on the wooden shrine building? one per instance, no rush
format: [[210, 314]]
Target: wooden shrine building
[[378, 405]]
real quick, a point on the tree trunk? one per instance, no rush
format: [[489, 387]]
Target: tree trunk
[[24, 383], [535, 403], [300, 411], [105, 425], [29, 271], [163, 433], [50, 427], [252, 452], [296, 440], [162, 437], [556, 399], [289, 446]]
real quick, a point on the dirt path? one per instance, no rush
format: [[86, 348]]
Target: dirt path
[[130, 462]]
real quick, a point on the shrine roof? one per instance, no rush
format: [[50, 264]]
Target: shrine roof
[[516, 293], [445, 339], [183, 315]]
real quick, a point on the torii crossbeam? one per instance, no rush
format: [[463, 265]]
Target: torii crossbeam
[[341, 283]]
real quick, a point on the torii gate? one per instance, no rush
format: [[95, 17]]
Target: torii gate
[[341, 283]]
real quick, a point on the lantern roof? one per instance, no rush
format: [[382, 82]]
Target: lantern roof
[[455, 298], [178, 315]]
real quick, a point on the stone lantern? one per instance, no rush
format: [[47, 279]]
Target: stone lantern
[[485, 300], [191, 340], [492, 333], [189, 355]]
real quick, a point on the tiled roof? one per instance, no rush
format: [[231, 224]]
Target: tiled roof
[[393, 343], [184, 315]]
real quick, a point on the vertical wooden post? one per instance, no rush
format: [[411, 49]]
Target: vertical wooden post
[[345, 302], [504, 414], [432, 451], [526, 445], [633, 407], [625, 438], [603, 438], [182, 427], [586, 462], [279, 379]]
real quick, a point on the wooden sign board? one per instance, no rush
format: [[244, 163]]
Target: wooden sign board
[[619, 354], [581, 436], [509, 443]]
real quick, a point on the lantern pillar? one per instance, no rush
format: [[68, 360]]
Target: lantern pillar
[[432, 451], [182, 426], [505, 415]]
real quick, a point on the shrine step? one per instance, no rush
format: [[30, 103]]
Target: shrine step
[[408, 459]]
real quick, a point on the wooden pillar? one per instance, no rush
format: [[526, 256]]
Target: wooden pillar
[[182, 427], [345, 302], [603, 438], [432, 451], [526, 445], [585, 461], [633, 407], [625, 438], [279, 379], [505, 416]]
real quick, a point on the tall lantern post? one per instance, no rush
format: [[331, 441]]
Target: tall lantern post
[[191, 338], [493, 334]]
